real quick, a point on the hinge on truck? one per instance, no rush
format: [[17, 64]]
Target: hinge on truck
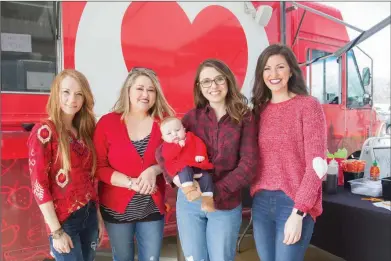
[[261, 15]]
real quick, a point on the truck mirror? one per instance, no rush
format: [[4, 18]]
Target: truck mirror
[[367, 98], [366, 76]]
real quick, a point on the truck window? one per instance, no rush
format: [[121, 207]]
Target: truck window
[[325, 76], [28, 46], [354, 83]]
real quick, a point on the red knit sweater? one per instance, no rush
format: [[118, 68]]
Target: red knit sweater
[[115, 152], [291, 135]]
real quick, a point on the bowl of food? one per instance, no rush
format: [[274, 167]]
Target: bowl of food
[[352, 169]]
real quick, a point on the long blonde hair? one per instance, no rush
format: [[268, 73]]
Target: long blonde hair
[[84, 121], [159, 110]]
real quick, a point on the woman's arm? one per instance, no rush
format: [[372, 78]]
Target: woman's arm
[[40, 163], [160, 160], [121, 180], [246, 169], [105, 172], [50, 216], [315, 144]]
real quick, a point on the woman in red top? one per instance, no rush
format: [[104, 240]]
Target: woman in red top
[[131, 189], [292, 147], [62, 163]]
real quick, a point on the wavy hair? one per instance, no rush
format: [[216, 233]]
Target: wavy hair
[[159, 110], [84, 120], [261, 94], [235, 101]]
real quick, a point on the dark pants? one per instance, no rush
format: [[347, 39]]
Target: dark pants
[[187, 174], [82, 228]]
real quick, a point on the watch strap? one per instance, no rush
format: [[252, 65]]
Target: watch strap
[[299, 212]]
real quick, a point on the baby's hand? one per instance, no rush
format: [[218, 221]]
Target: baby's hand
[[199, 158], [181, 143]]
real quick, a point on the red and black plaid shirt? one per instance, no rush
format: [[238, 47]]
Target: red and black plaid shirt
[[232, 149]]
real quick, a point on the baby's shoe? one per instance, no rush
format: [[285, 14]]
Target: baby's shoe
[[191, 193], [207, 204]]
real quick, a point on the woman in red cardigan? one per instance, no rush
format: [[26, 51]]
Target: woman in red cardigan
[[132, 190]]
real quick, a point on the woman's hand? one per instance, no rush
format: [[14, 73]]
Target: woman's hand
[[134, 185], [147, 181], [101, 228], [62, 243], [292, 230]]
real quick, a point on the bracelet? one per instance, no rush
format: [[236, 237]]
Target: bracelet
[[57, 233], [130, 183]]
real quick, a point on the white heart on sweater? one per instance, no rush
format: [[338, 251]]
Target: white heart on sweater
[[320, 166]]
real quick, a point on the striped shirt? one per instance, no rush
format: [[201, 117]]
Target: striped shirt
[[141, 207]]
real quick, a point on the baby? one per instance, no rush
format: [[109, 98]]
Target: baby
[[185, 155]]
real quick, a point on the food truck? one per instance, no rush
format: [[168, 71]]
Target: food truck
[[104, 40]]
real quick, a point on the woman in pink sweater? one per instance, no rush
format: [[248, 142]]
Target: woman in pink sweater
[[291, 138]]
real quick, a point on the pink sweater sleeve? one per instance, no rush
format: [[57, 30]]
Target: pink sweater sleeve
[[315, 139]]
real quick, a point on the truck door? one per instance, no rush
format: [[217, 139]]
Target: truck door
[[28, 64], [324, 83], [358, 105]]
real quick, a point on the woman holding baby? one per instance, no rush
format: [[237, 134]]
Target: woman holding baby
[[224, 123]]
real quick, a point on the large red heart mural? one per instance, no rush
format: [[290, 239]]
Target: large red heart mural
[[160, 36]]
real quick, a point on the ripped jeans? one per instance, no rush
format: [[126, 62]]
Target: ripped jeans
[[207, 236], [149, 236], [82, 227]]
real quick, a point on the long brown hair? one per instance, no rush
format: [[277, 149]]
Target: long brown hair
[[235, 101], [159, 110], [84, 120], [261, 94]]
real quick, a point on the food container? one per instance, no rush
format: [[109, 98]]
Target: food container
[[351, 176], [353, 165], [340, 170], [366, 187], [386, 187]]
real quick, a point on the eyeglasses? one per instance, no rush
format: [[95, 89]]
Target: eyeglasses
[[207, 83], [142, 69]]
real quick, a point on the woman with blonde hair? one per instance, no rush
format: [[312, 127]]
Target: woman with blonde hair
[[132, 190], [223, 121], [62, 163]]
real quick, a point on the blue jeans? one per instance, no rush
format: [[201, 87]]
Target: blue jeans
[[270, 211], [207, 236], [149, 236], [82, 227]]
